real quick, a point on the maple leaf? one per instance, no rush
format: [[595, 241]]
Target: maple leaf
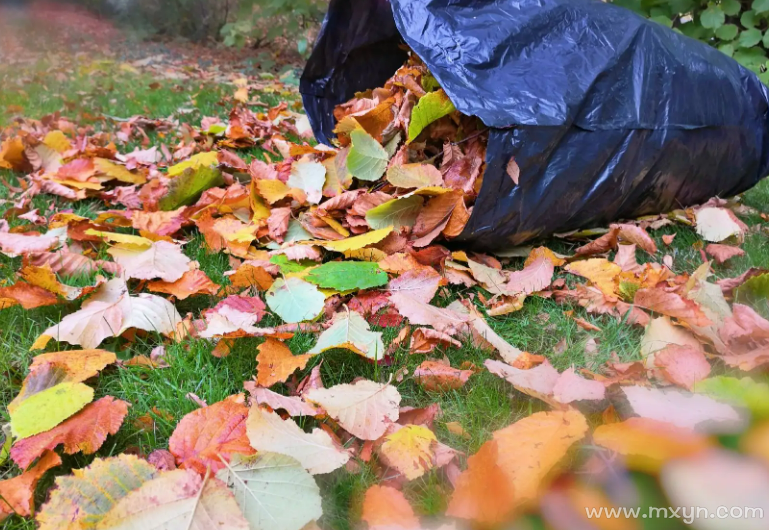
[[316, 451], [205, 437], [109, 312], [385, 508], [85, 431], [364, 409], [648, 444], [17, 494], [277, 363], [85, 497], [439, 377]]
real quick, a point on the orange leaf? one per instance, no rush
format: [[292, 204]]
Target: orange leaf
[[722, 253], [438, 377], [202, 436], [17, 495], [648, 444], [277, 363], [532, 447], [424, 340], [484, 492], [682, 365], [85, 431], [385, 507], [672, 305], [191, 283], [79, 364], [535, 276], [249, 275], [28, 296]]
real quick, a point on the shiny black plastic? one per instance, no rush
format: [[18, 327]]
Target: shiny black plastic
[[608, 115]]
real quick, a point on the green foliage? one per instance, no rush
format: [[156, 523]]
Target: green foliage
[[258, 21], [738, 28]]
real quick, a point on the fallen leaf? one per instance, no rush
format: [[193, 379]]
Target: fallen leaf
[[85, 431], [162, 260], [316, 451], [385, 508], [412, 176], [601, 272], [572, 387], [684, 366], [364, 409], [177, 499], [425, 340], [438, 377], [109, 312], [205, 437], [44, 410], [672, 305], [293, 405], [347, 275], [88, 494], [398, 213], [276, 362], [534, 277], [484, 492], [367, 159], [295, 300], [17, 494], [351, 331], [718, 224], [421, 283], [685, 410], [531, 448], [430, 107], [723, 253], [309, 177], [193, 282], [279, 478], [649, 444]]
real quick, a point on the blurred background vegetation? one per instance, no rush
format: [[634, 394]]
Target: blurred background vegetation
[[736, 27]]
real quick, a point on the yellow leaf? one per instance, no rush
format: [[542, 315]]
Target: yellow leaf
[[57, 141], [355, 242], [366, 254], [117, 171], [336, 225], [430, 191], [410, 450], [601, 272], [260, 209], [210, 158], [134, 242], [272, 190], [45, 410]]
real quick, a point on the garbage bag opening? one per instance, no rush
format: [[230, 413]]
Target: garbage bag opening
[[609, 116]]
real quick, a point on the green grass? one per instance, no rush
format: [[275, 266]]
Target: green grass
[[485, 404]]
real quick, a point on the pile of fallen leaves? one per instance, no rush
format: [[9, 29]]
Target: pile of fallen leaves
[[333, 240]]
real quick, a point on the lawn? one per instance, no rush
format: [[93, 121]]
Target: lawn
[[86, 90]]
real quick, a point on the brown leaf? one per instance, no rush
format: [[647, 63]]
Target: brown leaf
[[513, 171], [672, 305], [425, 340], [420, 283]]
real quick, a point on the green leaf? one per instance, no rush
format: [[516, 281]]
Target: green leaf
[[686, 6], [712, 17], [295, 300], [743, 392], [765, 40], [189, 186], [693, 30], [663, 19], [45, 410], [749, 38], [367, 159], [288, 266], [755, 293], [430, 107], [396, 213], [760, 6], [748, 19], [727, 32], [730, 7], [351, 331], [727, 49], [347, 275], [274, 491]]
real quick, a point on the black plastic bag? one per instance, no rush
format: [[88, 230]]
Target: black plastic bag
[[608, 115]]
